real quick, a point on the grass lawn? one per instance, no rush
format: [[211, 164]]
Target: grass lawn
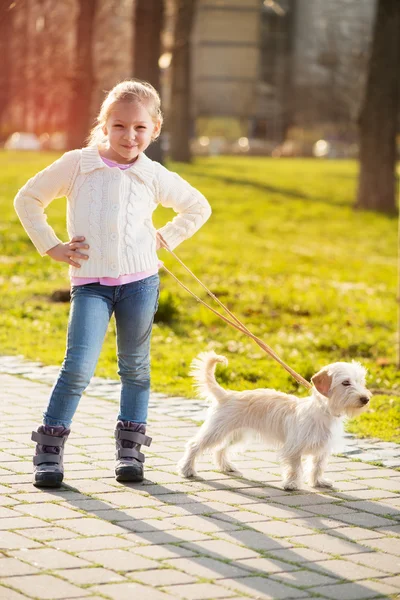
[[283, 249]]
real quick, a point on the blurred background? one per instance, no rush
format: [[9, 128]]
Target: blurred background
[[280, 78], [271, 77]]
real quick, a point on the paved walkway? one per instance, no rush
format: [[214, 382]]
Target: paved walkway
[[212, 538]]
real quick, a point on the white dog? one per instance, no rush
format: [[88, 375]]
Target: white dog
[[297, 426]]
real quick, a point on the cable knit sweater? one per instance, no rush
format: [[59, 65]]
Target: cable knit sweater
[[112, 209]]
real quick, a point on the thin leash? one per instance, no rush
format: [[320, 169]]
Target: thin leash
[[236, 322]]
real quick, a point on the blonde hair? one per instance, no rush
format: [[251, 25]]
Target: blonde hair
[[131, 90]]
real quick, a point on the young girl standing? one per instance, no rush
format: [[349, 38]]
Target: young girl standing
[[112, 189]]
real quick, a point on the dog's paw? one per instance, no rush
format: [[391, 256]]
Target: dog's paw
[[290, 486], [186, 470], [228, 468], [234, 472], [322, 483]]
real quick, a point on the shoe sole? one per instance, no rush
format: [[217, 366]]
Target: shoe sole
[[48, 480], [128, 474]]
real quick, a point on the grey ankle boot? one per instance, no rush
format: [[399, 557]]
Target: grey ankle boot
[[48, 460], [129, 438]]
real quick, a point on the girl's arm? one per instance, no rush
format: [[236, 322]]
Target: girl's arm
[[192, 208], [53, 182]]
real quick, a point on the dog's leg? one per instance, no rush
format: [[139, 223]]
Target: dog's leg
[[209, 435], [292, 471], [318, 464], [221, 455]]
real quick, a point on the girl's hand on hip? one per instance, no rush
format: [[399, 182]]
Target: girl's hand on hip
[[159, 241], [69, 252]]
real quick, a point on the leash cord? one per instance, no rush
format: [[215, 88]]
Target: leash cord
[[236, 322]]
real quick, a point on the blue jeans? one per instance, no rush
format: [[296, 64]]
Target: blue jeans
[[92, 305]]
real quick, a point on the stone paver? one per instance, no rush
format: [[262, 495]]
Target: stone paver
[[46, 587], [90, 576], [214, 537], [304, 578], [378, 560], [128, 591], [209, 568], [163, 577], [200, 591], [6, 592], [48, 558], [9, 567], [356, 591], [344, 569], [266, 589], [118, 560]]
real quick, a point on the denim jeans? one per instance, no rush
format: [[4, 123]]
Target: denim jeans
[[92, 305]]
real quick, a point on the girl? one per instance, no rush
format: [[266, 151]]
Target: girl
[[112, 190]]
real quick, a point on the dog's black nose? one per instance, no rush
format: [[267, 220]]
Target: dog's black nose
[[364, 399]]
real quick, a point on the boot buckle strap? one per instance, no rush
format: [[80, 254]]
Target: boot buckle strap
[[133, 436], [46, 458], [122, 453], [48, 440]]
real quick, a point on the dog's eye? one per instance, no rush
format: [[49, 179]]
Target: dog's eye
[[346, 383]]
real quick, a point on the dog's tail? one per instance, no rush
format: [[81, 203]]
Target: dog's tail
[[203, 371]]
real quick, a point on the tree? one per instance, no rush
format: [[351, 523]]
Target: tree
[[5, 41], [180, 120], [378, 121], [148, 23], [79, 116]]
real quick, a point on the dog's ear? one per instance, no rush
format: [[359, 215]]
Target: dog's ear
[[322, 381]]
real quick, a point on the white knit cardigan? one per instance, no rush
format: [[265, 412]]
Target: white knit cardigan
[[112, 209]]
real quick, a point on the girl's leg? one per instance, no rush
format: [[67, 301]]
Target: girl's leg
[[134, 314], [91, 309]]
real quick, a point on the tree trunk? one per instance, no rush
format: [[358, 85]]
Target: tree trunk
[[6, 21], [379, 115], [180, 121], [79, 118], [148, 23], [27, 56], [288, 75]]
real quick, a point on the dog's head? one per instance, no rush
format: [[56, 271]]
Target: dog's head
[[343, 384]]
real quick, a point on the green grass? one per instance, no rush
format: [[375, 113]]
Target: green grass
[[283, 249]]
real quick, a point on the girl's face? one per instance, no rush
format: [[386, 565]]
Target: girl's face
[[129, 129]]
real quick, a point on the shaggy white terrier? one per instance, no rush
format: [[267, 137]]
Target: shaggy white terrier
[[297, 426]]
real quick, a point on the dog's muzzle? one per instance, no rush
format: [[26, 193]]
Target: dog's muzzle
[[364, 400]]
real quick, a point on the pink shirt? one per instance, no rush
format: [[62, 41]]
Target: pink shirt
[[122, 279]]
